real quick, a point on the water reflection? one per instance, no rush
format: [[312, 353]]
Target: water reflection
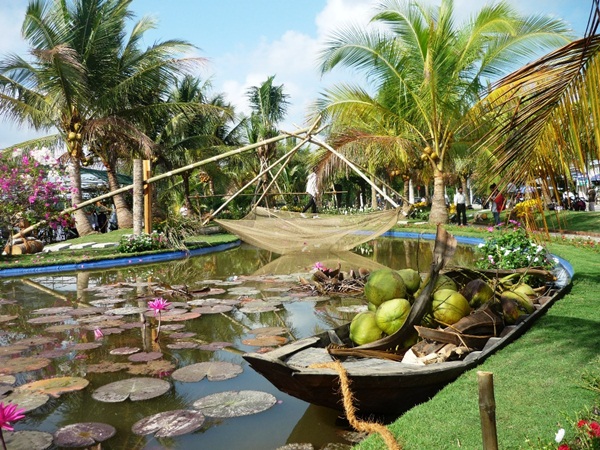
[[263, 275]]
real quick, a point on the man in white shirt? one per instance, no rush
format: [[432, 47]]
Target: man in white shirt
[[461, 207], [312, 190]]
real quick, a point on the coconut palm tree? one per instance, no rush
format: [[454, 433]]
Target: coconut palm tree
[[91, 82], [424, 74], [545, 116]]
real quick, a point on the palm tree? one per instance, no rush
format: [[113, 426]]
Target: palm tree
[[91, 82], [546, 116], [426, 73]]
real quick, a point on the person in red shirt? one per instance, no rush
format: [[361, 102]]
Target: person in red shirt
[[498, 203]]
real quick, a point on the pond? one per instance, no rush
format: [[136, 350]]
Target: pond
[[225, 304]]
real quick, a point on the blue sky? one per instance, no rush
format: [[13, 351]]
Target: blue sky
[[245, 41]]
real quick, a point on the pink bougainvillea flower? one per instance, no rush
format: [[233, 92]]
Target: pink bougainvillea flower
[[594, 429], [9, 413], [490, 229], [158, 304], [582, 423], [98, 334]]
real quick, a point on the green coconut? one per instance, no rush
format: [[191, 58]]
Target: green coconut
[[412, 279], [364, 329], [392, 314], [525, 303], [525, 289], [371, 307], [383, 285], [477, 292], [443, 282], [449, 306]]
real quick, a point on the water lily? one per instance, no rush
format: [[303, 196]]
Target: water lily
[[319, 266], [157, 305], [98, 334], [9, 413]]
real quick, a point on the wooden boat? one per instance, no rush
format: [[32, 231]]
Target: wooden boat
[[385, 386]]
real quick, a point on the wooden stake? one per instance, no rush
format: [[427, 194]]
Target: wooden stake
[[147, 196], [487, 410]]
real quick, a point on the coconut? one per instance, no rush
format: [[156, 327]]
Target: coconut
[[411, 278], [449, 306], [364, 329], [525, 303], [384, 284], [392, 314], [524, 289], [477, 292]]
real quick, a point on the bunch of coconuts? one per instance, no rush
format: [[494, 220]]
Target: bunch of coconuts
[[390, 294]]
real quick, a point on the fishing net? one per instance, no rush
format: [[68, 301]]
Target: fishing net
[[286, 232]]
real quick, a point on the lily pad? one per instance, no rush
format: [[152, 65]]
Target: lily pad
[[181, 345], [157, 368], [105, 324], [257, 306], [86, 346], [62, 328], [27, 400], [269, 331], [173, 327], [180, 317], [4, 301], [245, 291], [8, 379], [214, 346], [235, 403], [28, 440], [214, 371], [86, 311], [132, 325], [107, 302], [145, 356], [35, 341], [55, 353], [124, 350], [49, 319], [83, 434], [7, 318], [169, 423], [265, 341], [13, 349], [206, 293], [214, 301], [100, 318], [23, 364], [135, 389], [107, 367], [182, 335], [212, 309], [126, 310], [52, 311], [55, 386]]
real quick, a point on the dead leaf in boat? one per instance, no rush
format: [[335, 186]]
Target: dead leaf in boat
[[107, 367], [265, 341], [23, 364], [49, 319], [135, 389], [62, 328], [7, 318], [182, 335], [269, 331], [28, 400], [214, 346], [180, 317], [35, 341], [82, 346], [213, 370], [214, 309], [83, 434], [12, 349], [145, 356], [169, 423], [28, 440], [124, 350], [181, 345], [55, 386], [158, 368], [235, 403], [52, 311]]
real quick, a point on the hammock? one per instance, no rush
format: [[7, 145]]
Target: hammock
[[286, 232]]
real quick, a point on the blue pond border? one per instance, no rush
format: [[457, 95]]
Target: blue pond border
[[117, 262]]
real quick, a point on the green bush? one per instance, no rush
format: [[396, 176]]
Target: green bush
[[133, 243]]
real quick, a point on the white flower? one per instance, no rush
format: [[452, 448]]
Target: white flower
[[507, 252], [481, 245], [560, 434]]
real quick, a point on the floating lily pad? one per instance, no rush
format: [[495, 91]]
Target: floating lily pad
[[132, 325], [170, 312], [212, 309], [62, 328], [158, 368], [35, 341], [182, 335], [265, 341], [105, 324], [173, 327], [107, 302], [27, 400], [245, 291], [211, 291], [5, 389], [86, 311], [4, 301], [13, 349], [135, 389], [86, 346], [83, 434], [28, 440], [126, 310], [100, 318], [269, 331], [214, 301], [7, 318], [49, 319], [52, 311], [277, 289], [214, 346], [107, 367], [181, 345], [257, 306], [235, 403], [124, 350], [145, 356], [213, 370], [23, 364], [8, 379], [179, 305], [180, 317], [55, 386], [169, 423], [55, 353]]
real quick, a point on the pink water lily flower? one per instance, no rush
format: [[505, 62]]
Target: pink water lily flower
[[9, 413], [319, 266], [98, 334], [158, 304]]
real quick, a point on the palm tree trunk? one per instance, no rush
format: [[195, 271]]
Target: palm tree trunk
[[81, 221], [124, 215], [138, 197], [439, 213], [466, 191]]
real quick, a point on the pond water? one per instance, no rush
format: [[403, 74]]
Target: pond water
[[249, 290]]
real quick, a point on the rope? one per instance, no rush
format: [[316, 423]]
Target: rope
[[348, 402]]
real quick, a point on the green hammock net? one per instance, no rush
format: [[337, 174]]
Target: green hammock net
[[287, 232]]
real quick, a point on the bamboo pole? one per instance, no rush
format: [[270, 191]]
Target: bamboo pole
[[487, 410]]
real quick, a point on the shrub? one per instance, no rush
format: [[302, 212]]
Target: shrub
[[142, 242]]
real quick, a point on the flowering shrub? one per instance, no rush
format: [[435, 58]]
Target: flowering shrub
[[523, 208], [512, 248], [587, 436], [142, 242]]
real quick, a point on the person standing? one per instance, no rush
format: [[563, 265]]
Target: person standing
[[591, 194], [498, 203], [461, 207], [312, 190]]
